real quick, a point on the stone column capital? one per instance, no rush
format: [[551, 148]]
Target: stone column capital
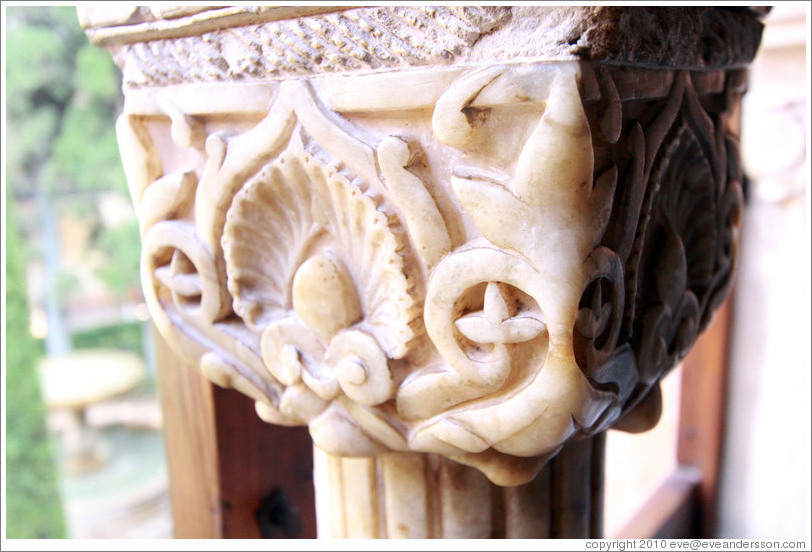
[[479, 232]]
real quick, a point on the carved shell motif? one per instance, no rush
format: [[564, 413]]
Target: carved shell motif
[[578, 281], [314, 264]]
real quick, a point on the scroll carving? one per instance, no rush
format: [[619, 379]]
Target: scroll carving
[[514, 267], [675, 236]]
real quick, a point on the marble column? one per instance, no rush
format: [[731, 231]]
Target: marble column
[[458, 243]]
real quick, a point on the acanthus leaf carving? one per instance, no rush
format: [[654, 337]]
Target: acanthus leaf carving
[[685, 205], [311, 264], [314, 262], [549, 205]]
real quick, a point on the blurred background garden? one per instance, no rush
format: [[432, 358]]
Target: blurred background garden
[[83, 448]]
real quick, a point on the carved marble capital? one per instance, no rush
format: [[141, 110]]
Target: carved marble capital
[[410, 234]]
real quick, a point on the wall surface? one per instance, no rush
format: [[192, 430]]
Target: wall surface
[[765, 487]]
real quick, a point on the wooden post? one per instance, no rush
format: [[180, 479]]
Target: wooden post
[[685, 503], [191, 446], [231, 474], [702, 413]]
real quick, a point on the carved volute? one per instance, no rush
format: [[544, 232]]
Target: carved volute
[[482, 234]]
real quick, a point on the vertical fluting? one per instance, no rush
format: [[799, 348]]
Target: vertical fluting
[[527, 508], [465, 496], [406, 496], [596, 489], [414, 495]]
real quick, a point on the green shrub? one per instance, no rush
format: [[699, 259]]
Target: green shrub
[[33, 504], [126, 336]]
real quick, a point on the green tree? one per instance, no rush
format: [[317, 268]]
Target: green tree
[[63, 95], [33, 506]]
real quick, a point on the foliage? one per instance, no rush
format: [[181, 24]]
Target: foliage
[[63, 98], [33, 508], [41, 47], [62, 94], [126, 336], [117, 244], [91, 113]]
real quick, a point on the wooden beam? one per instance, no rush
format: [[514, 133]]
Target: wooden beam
[[702, 411], [671, 512], [231, 475], [191, 446]]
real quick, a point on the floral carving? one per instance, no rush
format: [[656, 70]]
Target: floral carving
[[519, 266], [673, 242]]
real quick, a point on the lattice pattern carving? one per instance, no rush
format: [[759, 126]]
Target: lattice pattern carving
[[354, 40]]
